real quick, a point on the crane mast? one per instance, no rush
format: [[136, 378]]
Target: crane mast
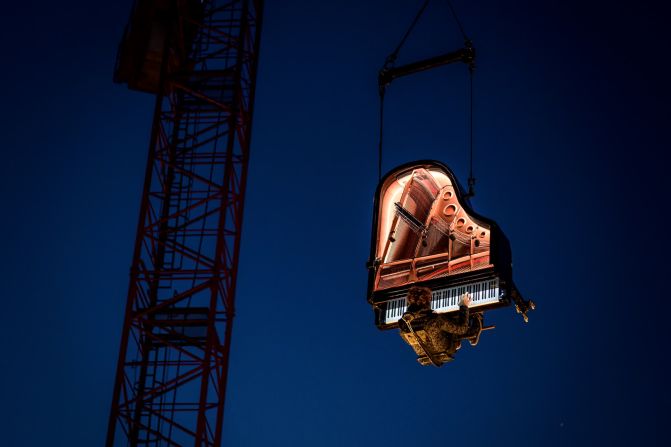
[[199, 58]]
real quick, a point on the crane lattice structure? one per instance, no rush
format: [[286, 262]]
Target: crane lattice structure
[[199, 58]]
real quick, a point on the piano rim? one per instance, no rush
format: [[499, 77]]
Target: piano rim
[[505, 301], [383, 296], [391, 293]]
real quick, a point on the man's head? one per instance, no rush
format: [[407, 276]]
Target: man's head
[[419, 297]]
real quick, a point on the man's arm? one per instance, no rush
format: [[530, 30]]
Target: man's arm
[[464, 311], [459, 325]]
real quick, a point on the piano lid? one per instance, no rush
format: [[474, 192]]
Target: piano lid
[[425, 232]]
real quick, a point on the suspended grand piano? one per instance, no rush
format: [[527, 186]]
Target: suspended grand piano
[[426, 234]]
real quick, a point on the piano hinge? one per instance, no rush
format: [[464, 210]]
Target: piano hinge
[[373, 264]]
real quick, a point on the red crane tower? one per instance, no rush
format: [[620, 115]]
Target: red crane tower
[[199, 58]]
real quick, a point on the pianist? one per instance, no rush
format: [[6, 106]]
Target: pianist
[[439, 334]]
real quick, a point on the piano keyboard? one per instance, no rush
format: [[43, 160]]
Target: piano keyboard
[[447, 299]]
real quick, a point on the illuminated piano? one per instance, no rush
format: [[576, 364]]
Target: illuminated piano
[[426, 234]]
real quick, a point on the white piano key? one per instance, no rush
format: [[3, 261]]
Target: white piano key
[[448, 299]]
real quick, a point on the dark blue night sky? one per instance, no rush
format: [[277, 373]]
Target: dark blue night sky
[[571, 134]]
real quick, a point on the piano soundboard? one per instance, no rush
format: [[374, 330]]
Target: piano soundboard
[[447, 299]]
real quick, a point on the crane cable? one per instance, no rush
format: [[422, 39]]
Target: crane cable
[[471, 71], [389, 62]]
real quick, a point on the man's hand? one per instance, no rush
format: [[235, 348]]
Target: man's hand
[[466, 299]]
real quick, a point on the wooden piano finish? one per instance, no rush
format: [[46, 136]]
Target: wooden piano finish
[[425, 233]]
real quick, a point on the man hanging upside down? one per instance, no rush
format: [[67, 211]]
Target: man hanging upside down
[[436, 337]]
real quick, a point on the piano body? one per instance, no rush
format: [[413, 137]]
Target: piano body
[[426, 234]]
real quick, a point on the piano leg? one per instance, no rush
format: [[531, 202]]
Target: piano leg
[[522, 306]]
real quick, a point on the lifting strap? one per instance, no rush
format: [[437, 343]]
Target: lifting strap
[[389, 63]]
